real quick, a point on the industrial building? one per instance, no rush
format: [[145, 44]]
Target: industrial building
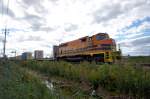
[[26, 56], [38, 54]]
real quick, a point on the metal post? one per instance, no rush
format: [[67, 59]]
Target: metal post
[[4, 49]]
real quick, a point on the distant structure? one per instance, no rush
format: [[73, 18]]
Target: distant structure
[[26, 56], [38, 54], [55, 51], [18, 57]]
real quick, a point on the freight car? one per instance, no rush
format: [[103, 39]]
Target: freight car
[[98, 48]]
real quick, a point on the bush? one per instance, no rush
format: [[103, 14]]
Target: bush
[[16, 83], [120, 79]]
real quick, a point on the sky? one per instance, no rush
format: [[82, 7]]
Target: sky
[[40, 24]]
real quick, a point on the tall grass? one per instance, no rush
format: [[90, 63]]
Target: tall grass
[[120, 79], [16, 83], [138, 59]]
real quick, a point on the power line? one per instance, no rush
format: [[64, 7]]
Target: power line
[[2, 11], [7, 6], [2, 7], [7, 13]]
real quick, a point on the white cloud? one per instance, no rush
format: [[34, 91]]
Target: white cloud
[[133, 45], [57, 21], [133, 35]]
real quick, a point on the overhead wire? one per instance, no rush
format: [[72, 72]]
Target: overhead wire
[[2, 8], [7, 13], [2, 13]]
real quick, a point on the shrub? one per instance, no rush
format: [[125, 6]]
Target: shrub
[[120, 79]]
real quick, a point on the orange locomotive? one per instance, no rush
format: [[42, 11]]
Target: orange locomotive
[[99, 48]]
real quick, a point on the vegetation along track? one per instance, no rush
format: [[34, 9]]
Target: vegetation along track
[[18, 83], [117, 80]]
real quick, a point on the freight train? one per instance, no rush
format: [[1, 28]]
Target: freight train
[[99, 48]]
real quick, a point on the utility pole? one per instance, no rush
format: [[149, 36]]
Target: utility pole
[[4, 46], [5, 30]]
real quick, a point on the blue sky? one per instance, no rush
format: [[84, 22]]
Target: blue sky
[[135, 25], [138, 22], [134, 39], [40, 24]]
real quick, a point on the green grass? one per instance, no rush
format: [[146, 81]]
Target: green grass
[[114, 78], [16, 83], [139, 59]]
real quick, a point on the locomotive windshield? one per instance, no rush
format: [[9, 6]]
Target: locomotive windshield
[[101, 37]]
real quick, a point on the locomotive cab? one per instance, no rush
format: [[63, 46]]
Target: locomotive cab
[[103, 46]]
